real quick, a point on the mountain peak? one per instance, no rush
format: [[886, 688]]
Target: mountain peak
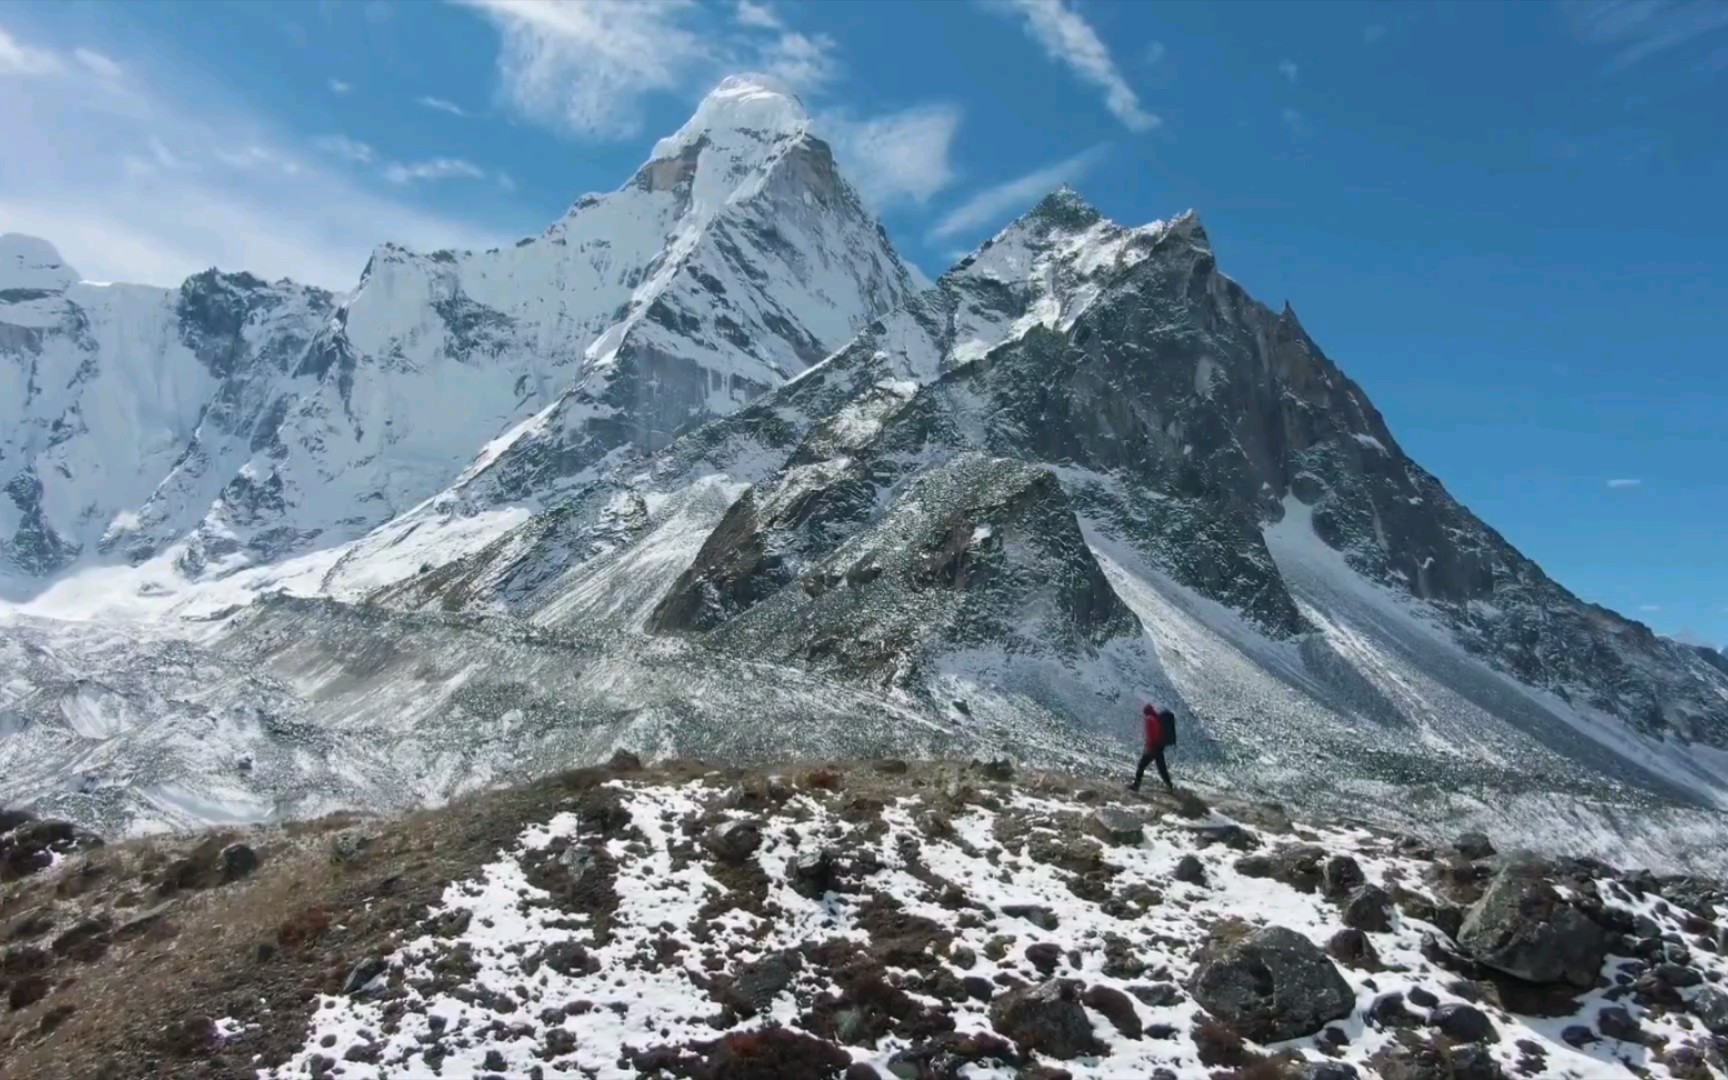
[[1066, 208], [757, 107], [31, 263]]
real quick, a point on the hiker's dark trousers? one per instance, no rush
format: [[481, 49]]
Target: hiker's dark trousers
[[1153, 754]]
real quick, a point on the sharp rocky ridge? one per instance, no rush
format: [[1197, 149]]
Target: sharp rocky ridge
[[723, 477]]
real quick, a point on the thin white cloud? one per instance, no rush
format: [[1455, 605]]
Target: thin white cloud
[[97, 64], [506, 181], [338, 87], [345, 149], [1649, 607], [1639, 29], [1294, 121], [125, 178], [900, 157], [1070, 40], [992, 205], [256, 157], [19, 59], [1155, 53], [587, 68], [398, 172], [806, 62], [1625, 482], [1372, 32], [760, 16], [1289, 70], [439, 104]]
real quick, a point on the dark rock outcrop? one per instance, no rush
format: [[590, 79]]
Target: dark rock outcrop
[[1269, 984]]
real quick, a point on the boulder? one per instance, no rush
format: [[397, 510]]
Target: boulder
[[1369, 909], [734, 840], [1299, 866], [1522, 927], [1047, 1018], [1115, 826], [1710, 1006], [1352, 948], [237, 861], [365, 976], [1190, 869], [1473, 845], [1269, 984], [811, 872], [1412, 1061], [1617, 1023], [1463, 1023], [1114, 1006], [1340, 876]]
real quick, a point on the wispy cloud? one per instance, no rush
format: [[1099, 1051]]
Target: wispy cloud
[[1070, 40], [506, 181], [1294, 122], [98, 64], [1625, 482], [439, 104], [443, 168], [338, 87], [341, 146], [1155, 53], [19, 59], [134, 182], [806, 61], [587, 68], [901, 157], [1650, 607], [992, 205], [1372, 32], [1639, 29], [1289, 70], [761, 16]]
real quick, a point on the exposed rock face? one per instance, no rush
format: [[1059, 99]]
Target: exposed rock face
[[1523, 927], [1270, 984]]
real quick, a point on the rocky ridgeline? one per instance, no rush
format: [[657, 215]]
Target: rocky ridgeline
[[881, 920]]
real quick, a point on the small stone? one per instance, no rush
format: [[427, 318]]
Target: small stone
[[978, 988], [494, 1061], [1388, 1011], [349, 844], [1578, 1036], [1422, 996], [1157, 995], [892, 767], [621, 761], [1678, 976]]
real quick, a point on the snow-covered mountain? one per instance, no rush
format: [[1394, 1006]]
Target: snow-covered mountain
[[275, 419], [701, 470]]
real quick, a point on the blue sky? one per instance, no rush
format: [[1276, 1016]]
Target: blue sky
[[1506, 222]]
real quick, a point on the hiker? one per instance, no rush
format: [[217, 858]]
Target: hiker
[[1160, 734]]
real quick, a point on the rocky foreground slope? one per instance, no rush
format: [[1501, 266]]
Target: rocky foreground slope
[[871, 920]]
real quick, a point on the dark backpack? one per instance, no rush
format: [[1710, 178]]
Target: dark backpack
[[1167, 720]]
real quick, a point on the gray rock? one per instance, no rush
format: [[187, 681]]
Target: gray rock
[[1041, 917], [1190, 869], [1369, 909], [1114, 1006], [734, 840], [237, 861], [1678, 976], [1269, 984], [1352, 948], [1463, 1023], [1403, 1061], [1047, 1018], [1617, 1023], [1710, 1006], [1525, 929], [1324, 1070], [811, 872], [1341, 876], [1473, 845], [362, 976], [1115, 826], [349, 844]]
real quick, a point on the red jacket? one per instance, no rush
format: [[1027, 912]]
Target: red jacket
[[1154, 729]]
